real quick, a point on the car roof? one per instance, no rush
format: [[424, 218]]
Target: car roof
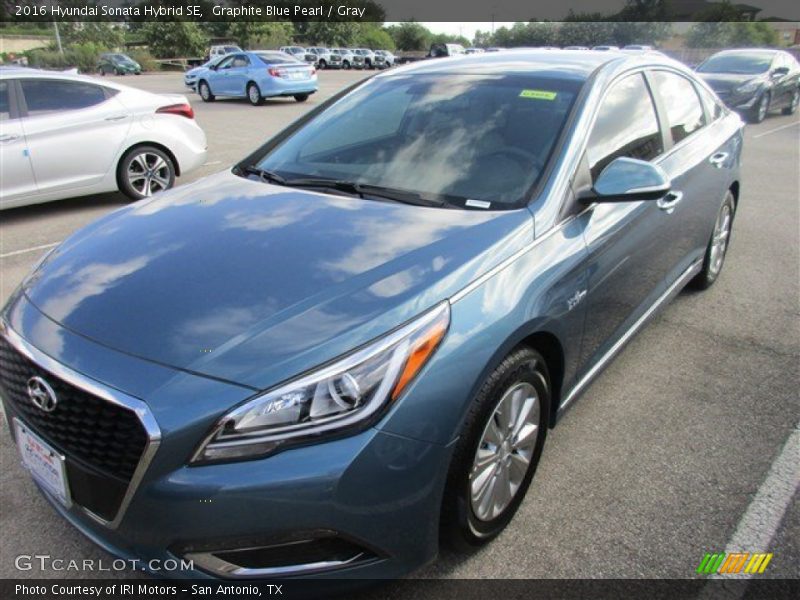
[[560, 64], [28, 73]]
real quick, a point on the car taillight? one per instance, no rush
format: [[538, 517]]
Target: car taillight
[[182, 110], [276, 72]]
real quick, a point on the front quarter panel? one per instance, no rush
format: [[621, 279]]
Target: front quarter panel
[[537, 292]]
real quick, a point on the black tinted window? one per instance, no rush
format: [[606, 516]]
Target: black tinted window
[[50, 95], [684, 111], [5, 107], [626, 125]]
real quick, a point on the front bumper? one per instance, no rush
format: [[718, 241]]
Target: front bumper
[[377, 491]]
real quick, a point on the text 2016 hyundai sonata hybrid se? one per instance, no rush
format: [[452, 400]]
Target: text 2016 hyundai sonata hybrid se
[[353, 343]]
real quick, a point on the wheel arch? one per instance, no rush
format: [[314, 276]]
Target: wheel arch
[[161, 147]]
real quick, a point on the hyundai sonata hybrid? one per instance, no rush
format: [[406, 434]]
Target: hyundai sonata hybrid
[[353, 343]]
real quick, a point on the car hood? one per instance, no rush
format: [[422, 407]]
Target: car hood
[[724, 82], [253, 283]]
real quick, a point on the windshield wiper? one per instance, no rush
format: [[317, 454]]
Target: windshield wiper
[[365, 189], [263, 174]]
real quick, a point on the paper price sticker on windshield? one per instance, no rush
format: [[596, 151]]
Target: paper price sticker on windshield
[[538, 94]]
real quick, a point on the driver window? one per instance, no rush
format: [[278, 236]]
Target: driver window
[[240, 61], [626, 125], [225, 63]]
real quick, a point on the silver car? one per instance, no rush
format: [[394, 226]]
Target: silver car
[[388, 58], [301, 54], [371, 61]]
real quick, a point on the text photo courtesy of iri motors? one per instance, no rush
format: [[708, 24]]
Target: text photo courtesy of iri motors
[[358, 304]]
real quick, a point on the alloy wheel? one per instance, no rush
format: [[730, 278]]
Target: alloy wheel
[[148, 173], [253, 94], [719, 243], [505, 452], [762, 108]]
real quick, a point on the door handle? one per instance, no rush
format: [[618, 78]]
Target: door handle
[[718, 159], [117, 118], [668, 202], [8, 137]]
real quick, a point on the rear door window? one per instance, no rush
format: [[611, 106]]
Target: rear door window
[[43, 96], [684, 112], [626, 125], [5, 101]]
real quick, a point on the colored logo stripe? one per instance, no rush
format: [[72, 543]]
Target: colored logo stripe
[[733, 563]]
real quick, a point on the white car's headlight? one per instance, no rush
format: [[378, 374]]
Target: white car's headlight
[[348, 393]]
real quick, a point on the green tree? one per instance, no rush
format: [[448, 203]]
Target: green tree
[[447, 38], [410, 36], [375, 37], [742, 34], [332, 33], [266, 34], [168, 39], [105, 35]]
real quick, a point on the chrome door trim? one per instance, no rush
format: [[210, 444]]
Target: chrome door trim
[[106, 393], [668, 294]]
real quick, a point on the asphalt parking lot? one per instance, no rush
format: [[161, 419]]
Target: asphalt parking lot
[[679, 448]]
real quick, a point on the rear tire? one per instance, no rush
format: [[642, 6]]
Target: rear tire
[[498, 450], [205, 91], [322, 65], [346, 65], [144, 171], [254, 94], [718, 245], [301, 97], [793, 103]]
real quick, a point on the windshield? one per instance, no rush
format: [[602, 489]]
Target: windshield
[[744, 64], [120, 58], [448, 137]]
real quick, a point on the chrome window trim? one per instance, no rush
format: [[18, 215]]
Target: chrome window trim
[[106, 393]]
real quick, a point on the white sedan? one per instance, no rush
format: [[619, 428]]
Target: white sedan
[[65, 135]]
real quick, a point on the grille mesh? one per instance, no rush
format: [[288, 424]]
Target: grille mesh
[[104, 436]]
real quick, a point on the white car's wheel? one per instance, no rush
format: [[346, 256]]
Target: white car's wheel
[[144, 171]]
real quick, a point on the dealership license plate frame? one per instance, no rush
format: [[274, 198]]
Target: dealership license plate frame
[[36, 454]]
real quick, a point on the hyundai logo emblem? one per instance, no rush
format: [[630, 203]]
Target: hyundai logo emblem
[[41, 394]]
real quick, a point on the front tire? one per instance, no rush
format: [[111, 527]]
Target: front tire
[[144, 171], [346, 65], [793, 103], [322, 65], [301, 97], [498, 450], [760, 110], [718, 245], [254, 94], [205, 91]]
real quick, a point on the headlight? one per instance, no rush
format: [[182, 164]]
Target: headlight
[[348, 393], [748, 88]]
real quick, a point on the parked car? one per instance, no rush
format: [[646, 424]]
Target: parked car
[[63, 136], [350, 60], [368, 56], [256, 76], [355, 341], [300, 54], [221, 50], [190, 77], [576, 47], [388, 59], [605, 48], [474, 51], [326, 59], [754, 81], [117, 64], [441, 50], [642, 47]]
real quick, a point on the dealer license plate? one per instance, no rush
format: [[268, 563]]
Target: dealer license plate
[[45, 464]]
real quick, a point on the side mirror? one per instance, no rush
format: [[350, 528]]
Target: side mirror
[[630, 180]]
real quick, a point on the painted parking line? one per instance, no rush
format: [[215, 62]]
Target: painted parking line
[[31, 249], [764, 514], [771, 131]]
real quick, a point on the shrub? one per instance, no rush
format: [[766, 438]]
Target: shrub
[[81, 56], [145, 59]]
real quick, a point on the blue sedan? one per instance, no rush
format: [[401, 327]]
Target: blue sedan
[[257, 75], [355, 341]]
